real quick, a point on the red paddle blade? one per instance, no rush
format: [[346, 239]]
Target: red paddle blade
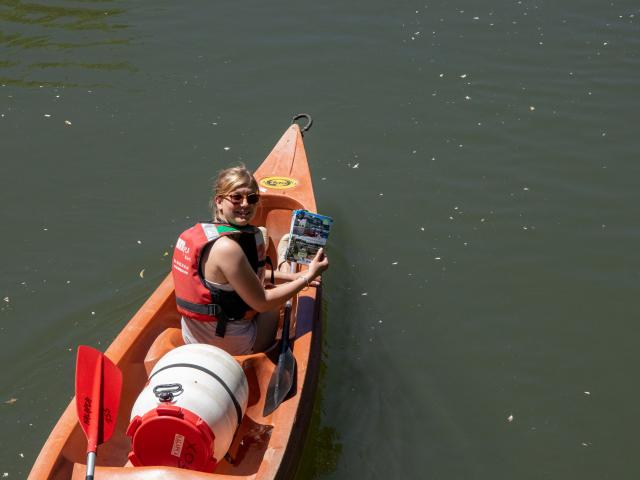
[[98, 385]]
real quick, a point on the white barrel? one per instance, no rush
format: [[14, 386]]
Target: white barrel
[[187, 414]]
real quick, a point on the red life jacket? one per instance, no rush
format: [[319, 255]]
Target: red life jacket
[[195, 299]]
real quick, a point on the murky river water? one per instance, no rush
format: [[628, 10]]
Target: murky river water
[[479, 160]]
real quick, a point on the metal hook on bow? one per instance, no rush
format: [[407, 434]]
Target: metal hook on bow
[[309, 121]]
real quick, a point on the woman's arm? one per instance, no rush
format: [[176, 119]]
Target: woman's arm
[[227, 257], [288, 277]]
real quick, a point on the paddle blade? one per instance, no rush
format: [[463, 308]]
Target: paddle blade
[[98, 385], [281, 381]]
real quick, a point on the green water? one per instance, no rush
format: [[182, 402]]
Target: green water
[[479, 160]]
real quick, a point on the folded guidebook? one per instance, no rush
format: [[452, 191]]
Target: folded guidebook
[[309, 232]]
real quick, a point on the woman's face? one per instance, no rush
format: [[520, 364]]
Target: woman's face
[[238, 207]]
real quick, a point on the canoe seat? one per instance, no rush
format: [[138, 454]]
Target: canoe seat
[[167, 340]]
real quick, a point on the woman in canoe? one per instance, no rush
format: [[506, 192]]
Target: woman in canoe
[[218, 271]]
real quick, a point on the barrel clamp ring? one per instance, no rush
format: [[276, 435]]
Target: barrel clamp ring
[[167, 391]]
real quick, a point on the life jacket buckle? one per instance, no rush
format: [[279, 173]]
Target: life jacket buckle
[[214, 310]]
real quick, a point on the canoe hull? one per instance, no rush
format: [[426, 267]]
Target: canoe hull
[[264, 447]]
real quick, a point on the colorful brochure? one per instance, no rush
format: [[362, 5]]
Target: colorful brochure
[[309, 232]]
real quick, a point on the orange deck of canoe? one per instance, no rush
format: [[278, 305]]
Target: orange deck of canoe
[[264, 448]]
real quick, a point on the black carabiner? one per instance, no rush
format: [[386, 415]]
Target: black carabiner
[[309, 121]]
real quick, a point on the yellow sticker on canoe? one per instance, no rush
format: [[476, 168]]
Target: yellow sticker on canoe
[[278, 183]]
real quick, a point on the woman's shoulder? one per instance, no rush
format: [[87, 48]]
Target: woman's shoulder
[[227, 246]]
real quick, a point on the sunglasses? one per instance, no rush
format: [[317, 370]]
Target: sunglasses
[[236, 198]]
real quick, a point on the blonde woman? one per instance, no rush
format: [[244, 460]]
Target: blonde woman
[[219, 267]]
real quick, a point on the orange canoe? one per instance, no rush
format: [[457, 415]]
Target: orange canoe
[[264, 447]]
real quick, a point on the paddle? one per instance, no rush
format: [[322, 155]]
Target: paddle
[[98, 385], [282, 377]]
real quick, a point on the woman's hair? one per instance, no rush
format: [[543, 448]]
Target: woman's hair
[[230, 179]]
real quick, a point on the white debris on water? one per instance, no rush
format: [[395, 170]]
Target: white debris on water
[[510, 418], [68, 123], [394, 263], [47, 115], [6, 299], [227, 149], [356, 165], [364, 294], [141, 273], [587, 393], [532, 108], [139, 242]]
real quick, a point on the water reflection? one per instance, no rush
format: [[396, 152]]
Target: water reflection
[[61, 45], [76, 17], [323, 448]]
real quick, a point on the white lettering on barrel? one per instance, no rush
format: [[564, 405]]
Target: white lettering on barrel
[[178, 442]]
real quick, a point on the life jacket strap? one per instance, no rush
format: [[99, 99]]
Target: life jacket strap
[[268, 261], [212, 310]]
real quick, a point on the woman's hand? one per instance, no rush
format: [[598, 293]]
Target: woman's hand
[[319, 264]]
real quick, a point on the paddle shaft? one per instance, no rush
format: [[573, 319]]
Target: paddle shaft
[[287, 317], [285, 327], [91, 465]]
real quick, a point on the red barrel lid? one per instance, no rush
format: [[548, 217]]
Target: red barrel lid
[[173, 437]]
